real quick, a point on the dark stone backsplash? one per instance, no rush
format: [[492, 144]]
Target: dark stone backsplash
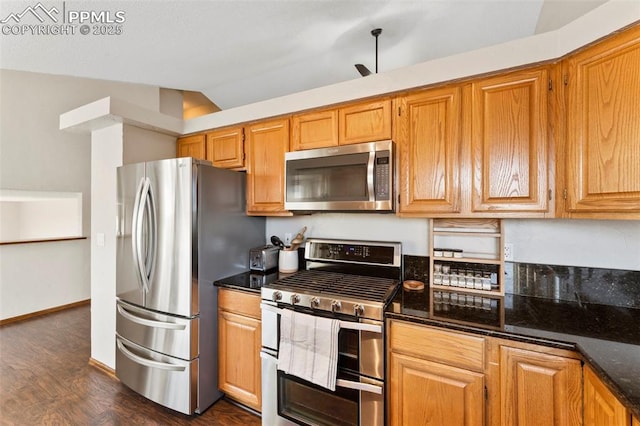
[[416, 268], [613, 287]]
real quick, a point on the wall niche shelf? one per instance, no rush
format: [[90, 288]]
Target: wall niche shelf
[[466, 255]]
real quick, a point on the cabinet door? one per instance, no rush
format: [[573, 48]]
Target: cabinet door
[[314, 130], [266, 145], [601, 407], [509, 143], [225, 148], [603, 124], [239, 339], [429, 393], [365, 122], [428, 137], [191, 146], [539, 389]]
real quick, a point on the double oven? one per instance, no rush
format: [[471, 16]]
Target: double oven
[[351, 281]]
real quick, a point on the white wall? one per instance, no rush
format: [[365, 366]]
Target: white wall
[[596, 243], [35, 155]]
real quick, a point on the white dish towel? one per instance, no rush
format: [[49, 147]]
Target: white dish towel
[[309, 347]]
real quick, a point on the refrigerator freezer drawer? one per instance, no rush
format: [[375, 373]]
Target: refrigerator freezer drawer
[[174, 336], [168, 381]]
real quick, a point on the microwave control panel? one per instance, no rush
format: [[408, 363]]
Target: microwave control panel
[[383, 180]]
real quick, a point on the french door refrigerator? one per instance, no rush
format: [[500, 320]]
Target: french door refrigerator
[[181, 225]]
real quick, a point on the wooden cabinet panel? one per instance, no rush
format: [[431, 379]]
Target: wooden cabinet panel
[[601, 407], [225, 148], [635, 422], [603, 124], [191, 146], [365, 122], [539, 389], [314, 130], [428, 136], [428, 393], [239, 341], [509, 142], [267, 143], [456, 349]]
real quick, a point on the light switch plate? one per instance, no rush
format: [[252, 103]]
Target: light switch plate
[[100, 239]]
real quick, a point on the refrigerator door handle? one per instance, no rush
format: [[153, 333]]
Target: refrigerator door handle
[[152, 235], [137, 237], [147, 362], [149, 323], [135, 224]]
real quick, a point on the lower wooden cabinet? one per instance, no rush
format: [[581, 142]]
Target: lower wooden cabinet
[[439, 377], [601, 407], [539, 389], [435, 377], [239, 340], [429, 393]]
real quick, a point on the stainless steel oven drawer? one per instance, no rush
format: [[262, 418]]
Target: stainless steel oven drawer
[[170, 335], [168, 381]]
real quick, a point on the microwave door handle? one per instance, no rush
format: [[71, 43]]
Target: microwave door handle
[[366, 387], [371, 175]]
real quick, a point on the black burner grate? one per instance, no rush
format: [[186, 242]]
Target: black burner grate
[[324, 283]]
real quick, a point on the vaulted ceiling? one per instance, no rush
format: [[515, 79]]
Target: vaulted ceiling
[[241, 51]]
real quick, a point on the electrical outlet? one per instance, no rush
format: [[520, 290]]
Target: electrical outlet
[[287, 238], [508, 252]]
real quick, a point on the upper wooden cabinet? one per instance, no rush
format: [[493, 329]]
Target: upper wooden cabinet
[[601, 407], [603, 127], [225, 148], [314, 130], [539, 389], [266, 144], [362, 122], [428, 138], [191, 146], [509, 142], [365, 122]]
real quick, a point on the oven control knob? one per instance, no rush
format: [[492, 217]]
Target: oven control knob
[[276, 296], [314, 302], [295, 299], [358, 310], [336, 306]]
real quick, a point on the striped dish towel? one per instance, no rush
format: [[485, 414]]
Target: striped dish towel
[[309, 347]]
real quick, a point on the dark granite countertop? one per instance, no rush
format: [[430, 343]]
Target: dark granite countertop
[[250, 281], [608, 337]]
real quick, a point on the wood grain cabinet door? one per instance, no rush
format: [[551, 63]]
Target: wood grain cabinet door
[[225, 148], [538, 389], [365, 122], [601, 407], [428, 139], [239, 339], [509, 142], [429, 393], [191, 146], [314, 130], [603, 126], [267, 143]]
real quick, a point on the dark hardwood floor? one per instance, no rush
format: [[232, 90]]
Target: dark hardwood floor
[[46, 379]]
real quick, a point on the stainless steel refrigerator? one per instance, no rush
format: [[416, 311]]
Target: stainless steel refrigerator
[[181, 225]]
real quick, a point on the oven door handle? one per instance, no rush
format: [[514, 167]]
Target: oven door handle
[[366, 387], [373, 328]]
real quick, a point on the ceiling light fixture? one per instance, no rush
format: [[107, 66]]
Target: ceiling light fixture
[[363, 70]]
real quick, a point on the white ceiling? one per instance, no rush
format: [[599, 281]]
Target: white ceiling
[[240, 51]]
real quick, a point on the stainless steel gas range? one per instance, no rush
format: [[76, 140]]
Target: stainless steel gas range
[[351, 281]]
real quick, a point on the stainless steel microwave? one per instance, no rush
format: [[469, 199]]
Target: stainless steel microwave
[[357, 177]]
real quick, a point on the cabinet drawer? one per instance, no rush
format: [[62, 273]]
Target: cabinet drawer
[[450, 348], [240, 302]]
